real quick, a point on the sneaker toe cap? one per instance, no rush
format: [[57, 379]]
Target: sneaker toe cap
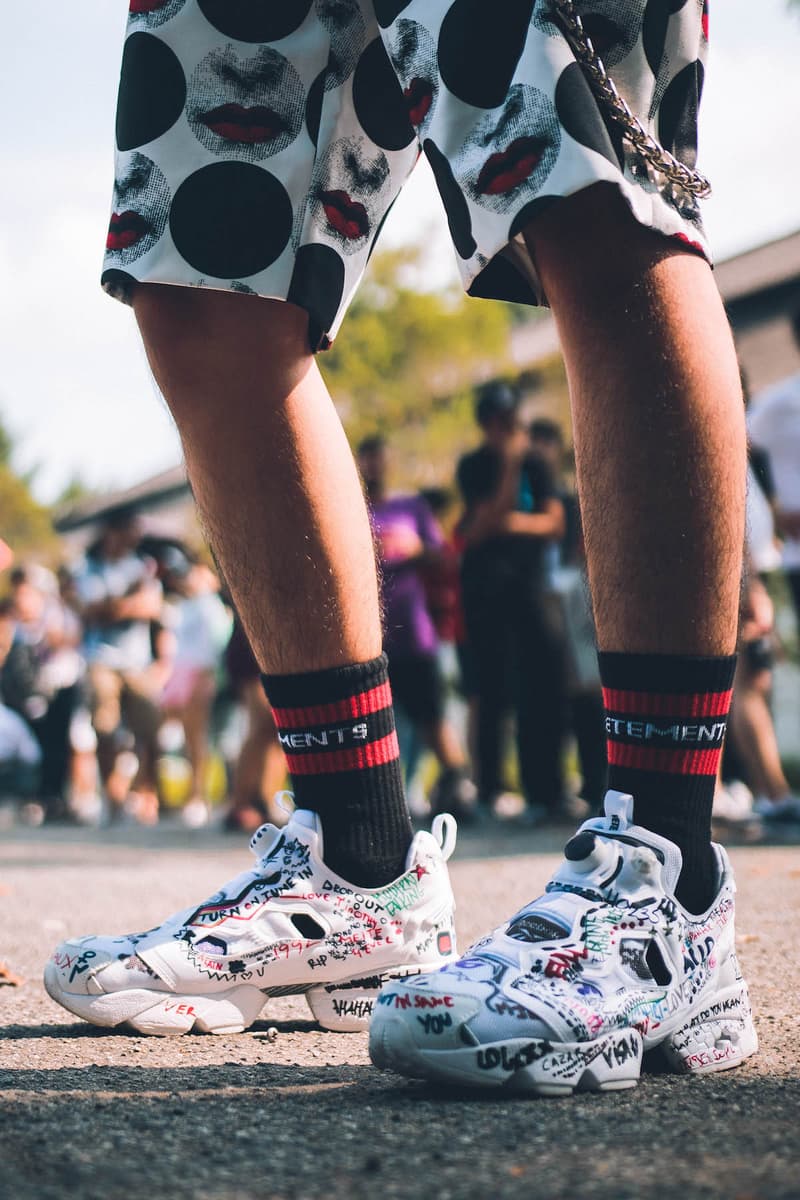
[[77, 965], [433, 1010]]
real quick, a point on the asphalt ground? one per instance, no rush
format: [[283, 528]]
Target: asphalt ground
[[287, 1110]]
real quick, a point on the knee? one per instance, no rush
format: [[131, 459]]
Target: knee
[[593, 240], [199, 336]]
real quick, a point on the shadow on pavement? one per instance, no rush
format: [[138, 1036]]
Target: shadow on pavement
[[247, 1132]]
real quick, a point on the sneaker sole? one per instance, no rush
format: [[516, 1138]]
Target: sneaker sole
[[345, 1006], [534, 1065], [720, 1036]]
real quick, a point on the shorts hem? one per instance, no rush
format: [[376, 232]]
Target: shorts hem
[[509, 273]]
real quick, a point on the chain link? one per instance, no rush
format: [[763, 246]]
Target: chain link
[[682, 178]]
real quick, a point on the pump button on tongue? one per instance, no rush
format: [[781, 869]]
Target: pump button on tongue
[[580, 847], [586, 852]]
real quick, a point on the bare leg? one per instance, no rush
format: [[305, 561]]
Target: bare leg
[[272, 473], [273, 773], [441, 738], [659, 427], [196, 717], [660, 451], [278, 490], [260, 771], [754, 735]]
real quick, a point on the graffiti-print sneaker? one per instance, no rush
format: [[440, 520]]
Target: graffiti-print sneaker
[[570, 992], [288, 926]]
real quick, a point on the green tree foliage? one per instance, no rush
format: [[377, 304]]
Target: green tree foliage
[[24, 523], [73, 492], [405, 364]]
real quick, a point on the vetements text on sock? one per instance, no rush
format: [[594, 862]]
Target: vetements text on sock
[[344, 735], [694, 733]]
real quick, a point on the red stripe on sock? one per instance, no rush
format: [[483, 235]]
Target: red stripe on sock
[[326, 762], [656, 758], [362, 705], [656, 704]]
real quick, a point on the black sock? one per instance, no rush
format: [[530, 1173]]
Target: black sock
[[337, 729], [665, 723]]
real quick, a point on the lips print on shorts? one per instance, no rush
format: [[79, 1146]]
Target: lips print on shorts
[[147, 14], [413, 54], [510, 152], [245, 107], [141, 208], [344, 23], [262, 144], [348, 194]]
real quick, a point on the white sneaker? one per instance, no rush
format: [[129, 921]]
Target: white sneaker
[[570, 992], [288, 926], [733, 804], [785, 810]]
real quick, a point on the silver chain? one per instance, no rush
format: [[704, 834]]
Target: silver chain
[[677, 173]]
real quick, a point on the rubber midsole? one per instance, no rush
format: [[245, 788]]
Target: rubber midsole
[[345, 1005]]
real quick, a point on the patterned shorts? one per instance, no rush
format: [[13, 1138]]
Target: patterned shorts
[[261, 143]]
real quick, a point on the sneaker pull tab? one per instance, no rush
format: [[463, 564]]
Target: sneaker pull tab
[[444, 828], [619, 809]]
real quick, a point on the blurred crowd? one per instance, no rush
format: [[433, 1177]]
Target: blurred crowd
[[128, 689]]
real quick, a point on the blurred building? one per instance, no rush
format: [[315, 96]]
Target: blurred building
[[163, 502], [760, 289]]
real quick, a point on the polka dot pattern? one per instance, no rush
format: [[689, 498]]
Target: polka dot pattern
[[677, 121], [579, 117], [613, 25], [231, 220], [479, 48], [260, 145], [255, 20], [378, 100], [454, 200], [152, 91], [387, 11], [314, 99], [317, 285]]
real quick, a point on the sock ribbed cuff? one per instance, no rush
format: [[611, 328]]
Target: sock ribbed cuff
[[666, 714], [337, 730], [666, 718], [337, 720]]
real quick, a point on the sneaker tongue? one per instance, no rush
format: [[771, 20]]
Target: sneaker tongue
[[619, 819], [301, 823], [304, 816], [307, 820]]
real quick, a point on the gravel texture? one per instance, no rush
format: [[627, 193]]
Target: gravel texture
[[301, 1113]]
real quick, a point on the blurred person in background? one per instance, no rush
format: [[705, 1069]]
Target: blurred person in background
[[20, 753], [259, 772], [20, 762], [442, 581], [753, 743], [570, 587], [773, 422], [408, 540], [201, 625], [119, 596], [512, 512], [754, 784], [43, 674]]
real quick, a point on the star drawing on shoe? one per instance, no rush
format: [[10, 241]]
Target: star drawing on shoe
[[575, 987], [289, 926]]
